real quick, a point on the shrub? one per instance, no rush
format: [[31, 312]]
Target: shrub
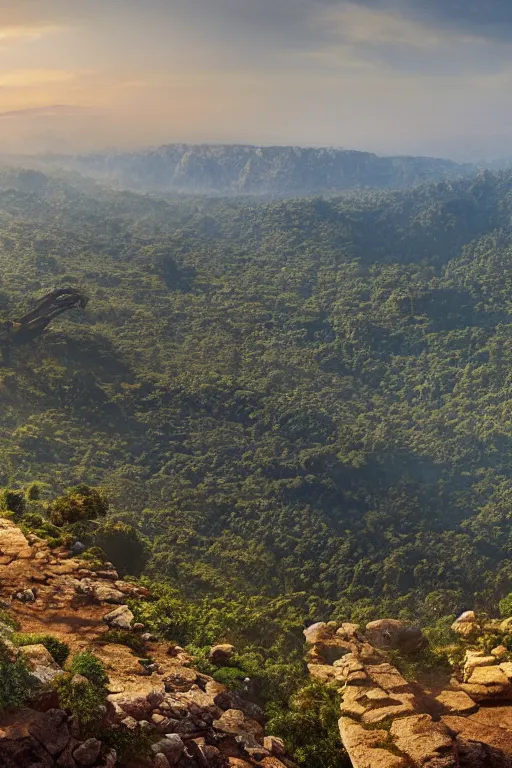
[[13, 502], [58, 649], [506, 606], [80, 697], [88, 665], [230, 676], [309, 727], [83, 690], [79, 504], [8, 619], [16, 681]]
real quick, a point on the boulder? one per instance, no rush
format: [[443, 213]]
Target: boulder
[[87, 753], [365, 747], [100, 592], [229, 700], [466, 625], [51, 730], [317, 632], [172, 747], [180, 679], [119, 618], [422, 741], [390, 634], [220, 655], [41, 663]]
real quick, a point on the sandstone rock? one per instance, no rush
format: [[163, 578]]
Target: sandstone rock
[[489, 676], [251, 746], [387, 677], [180, 679], [457, 702], [41, 663], [51, 730], [230, 700], [137, 706], [172, 747], [466, 625], [119, 618], [365, 746], [422, 740], [88, 752], [500, 652], [317, 632], [474, 660], [130, 723], [100, 592], [274, 745], [348, 631], [390, 633], [221, 654], [470, 729], [324, 673]]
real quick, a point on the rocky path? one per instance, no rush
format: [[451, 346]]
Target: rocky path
[[388, 722], [191, 719]]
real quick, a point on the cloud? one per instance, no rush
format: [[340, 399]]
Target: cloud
[[28, 78], [51, 110]]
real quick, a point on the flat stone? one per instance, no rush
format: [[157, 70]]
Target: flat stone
[[420, 738], [387, 677], [364, 746], [457, 702]]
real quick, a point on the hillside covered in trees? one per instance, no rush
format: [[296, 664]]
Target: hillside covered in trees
[[248, 170], [306, 399]]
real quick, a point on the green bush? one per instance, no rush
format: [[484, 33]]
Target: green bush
[[88, 665], [16, 682], [79, 504], [8, 619], [506, 606], [58, 649], [83, 690], [80, 697], [309, 727], [13, 502], [230, 676]]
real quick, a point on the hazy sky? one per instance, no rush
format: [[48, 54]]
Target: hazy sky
[[432, 76]]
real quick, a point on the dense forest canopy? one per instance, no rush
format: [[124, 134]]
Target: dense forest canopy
[[310, 396]]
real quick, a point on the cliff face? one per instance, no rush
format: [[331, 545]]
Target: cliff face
[[246, 170], [455, 718], [184, 718]]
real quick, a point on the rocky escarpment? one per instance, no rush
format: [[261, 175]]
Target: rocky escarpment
[[276, 171], [187, 718], [462, 717]]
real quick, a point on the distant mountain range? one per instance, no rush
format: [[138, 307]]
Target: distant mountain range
[[250, 170]]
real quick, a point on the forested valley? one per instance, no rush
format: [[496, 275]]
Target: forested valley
[[299, 410]]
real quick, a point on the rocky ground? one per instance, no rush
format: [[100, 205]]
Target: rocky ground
[[458, 719], [190, 719]]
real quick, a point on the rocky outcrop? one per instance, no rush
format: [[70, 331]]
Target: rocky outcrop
[[388, 722], [188, 719]]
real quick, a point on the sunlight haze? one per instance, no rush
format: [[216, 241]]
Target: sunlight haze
[[390, 76]]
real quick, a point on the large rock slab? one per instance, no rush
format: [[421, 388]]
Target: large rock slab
[[365, 746]]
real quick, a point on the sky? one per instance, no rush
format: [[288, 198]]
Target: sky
[[390, 76]]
